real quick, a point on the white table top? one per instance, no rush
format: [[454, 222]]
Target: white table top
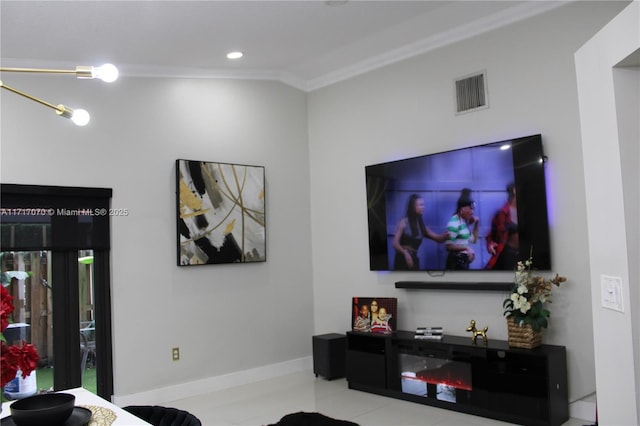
[[84, 397]]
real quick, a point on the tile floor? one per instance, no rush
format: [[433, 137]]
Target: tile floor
[[265, 402]]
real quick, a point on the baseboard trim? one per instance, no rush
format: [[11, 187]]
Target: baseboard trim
[[584, 410], [211, 384]]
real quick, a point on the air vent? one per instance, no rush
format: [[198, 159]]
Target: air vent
[[471, 93]]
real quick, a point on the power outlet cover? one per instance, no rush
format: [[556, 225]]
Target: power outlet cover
[[611, 290]]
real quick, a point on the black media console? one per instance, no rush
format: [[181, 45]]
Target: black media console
[[522, 386]]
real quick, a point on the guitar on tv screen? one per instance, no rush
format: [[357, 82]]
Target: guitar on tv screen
[[481, 208]]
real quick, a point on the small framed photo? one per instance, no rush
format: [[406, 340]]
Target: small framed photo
[[374, 314]]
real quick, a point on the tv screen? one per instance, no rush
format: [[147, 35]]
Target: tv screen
[[478, 208]]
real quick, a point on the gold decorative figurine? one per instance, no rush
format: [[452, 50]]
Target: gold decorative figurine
[[472, 328]]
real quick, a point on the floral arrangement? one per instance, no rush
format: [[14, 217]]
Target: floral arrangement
[[529, 295], [13, 358]]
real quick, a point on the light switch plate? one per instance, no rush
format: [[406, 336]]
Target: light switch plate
[[611, 290]]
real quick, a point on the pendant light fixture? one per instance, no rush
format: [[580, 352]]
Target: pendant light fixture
[[107, 73]]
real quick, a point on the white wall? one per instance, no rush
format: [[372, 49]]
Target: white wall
[[407, 109], [609, 111], [225, 318]]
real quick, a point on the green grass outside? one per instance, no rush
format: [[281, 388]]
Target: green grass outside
[[44, 380]]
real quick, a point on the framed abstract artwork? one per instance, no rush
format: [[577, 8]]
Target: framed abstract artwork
[[220, 212]]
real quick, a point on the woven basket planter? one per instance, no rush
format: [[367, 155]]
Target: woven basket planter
[[523, 336]]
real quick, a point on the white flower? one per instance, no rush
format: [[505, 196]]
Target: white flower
[[522, 288], [524, 308], [521, 303]]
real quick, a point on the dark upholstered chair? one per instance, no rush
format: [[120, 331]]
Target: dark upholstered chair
[[163, 416], [311, 419]]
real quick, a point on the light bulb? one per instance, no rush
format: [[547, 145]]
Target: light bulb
[[107, 73], [80, 117], [234, 55]]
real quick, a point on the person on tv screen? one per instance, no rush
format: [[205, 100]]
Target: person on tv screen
[[410, 232], [502, 241], [460, 253]]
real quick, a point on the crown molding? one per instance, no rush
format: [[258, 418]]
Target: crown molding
[[509, 16], [512, 15], [155, 71], [202, 73]]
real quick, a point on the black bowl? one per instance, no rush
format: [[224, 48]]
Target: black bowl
[[45, 409]]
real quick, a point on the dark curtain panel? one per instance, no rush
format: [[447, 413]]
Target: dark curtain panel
[[28, 213]]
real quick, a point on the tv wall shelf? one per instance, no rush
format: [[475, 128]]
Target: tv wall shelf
[[522, 386], [435, 285]]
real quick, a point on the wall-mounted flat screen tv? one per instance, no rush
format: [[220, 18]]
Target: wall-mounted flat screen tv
[[478, 208]]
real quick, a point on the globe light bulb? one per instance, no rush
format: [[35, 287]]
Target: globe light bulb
[[80, 117], [235, 55], [107, 73]]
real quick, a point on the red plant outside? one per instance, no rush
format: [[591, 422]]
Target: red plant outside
[[13, 358]]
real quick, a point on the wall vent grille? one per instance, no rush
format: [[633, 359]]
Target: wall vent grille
[[471, 93]]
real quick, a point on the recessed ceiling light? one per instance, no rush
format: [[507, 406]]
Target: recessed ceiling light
[[234, 55]]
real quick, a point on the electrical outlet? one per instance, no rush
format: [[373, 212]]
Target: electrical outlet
[[175, 354], [612, 297]]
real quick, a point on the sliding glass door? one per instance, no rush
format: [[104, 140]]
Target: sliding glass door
[[56, 267], [28, 277]]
